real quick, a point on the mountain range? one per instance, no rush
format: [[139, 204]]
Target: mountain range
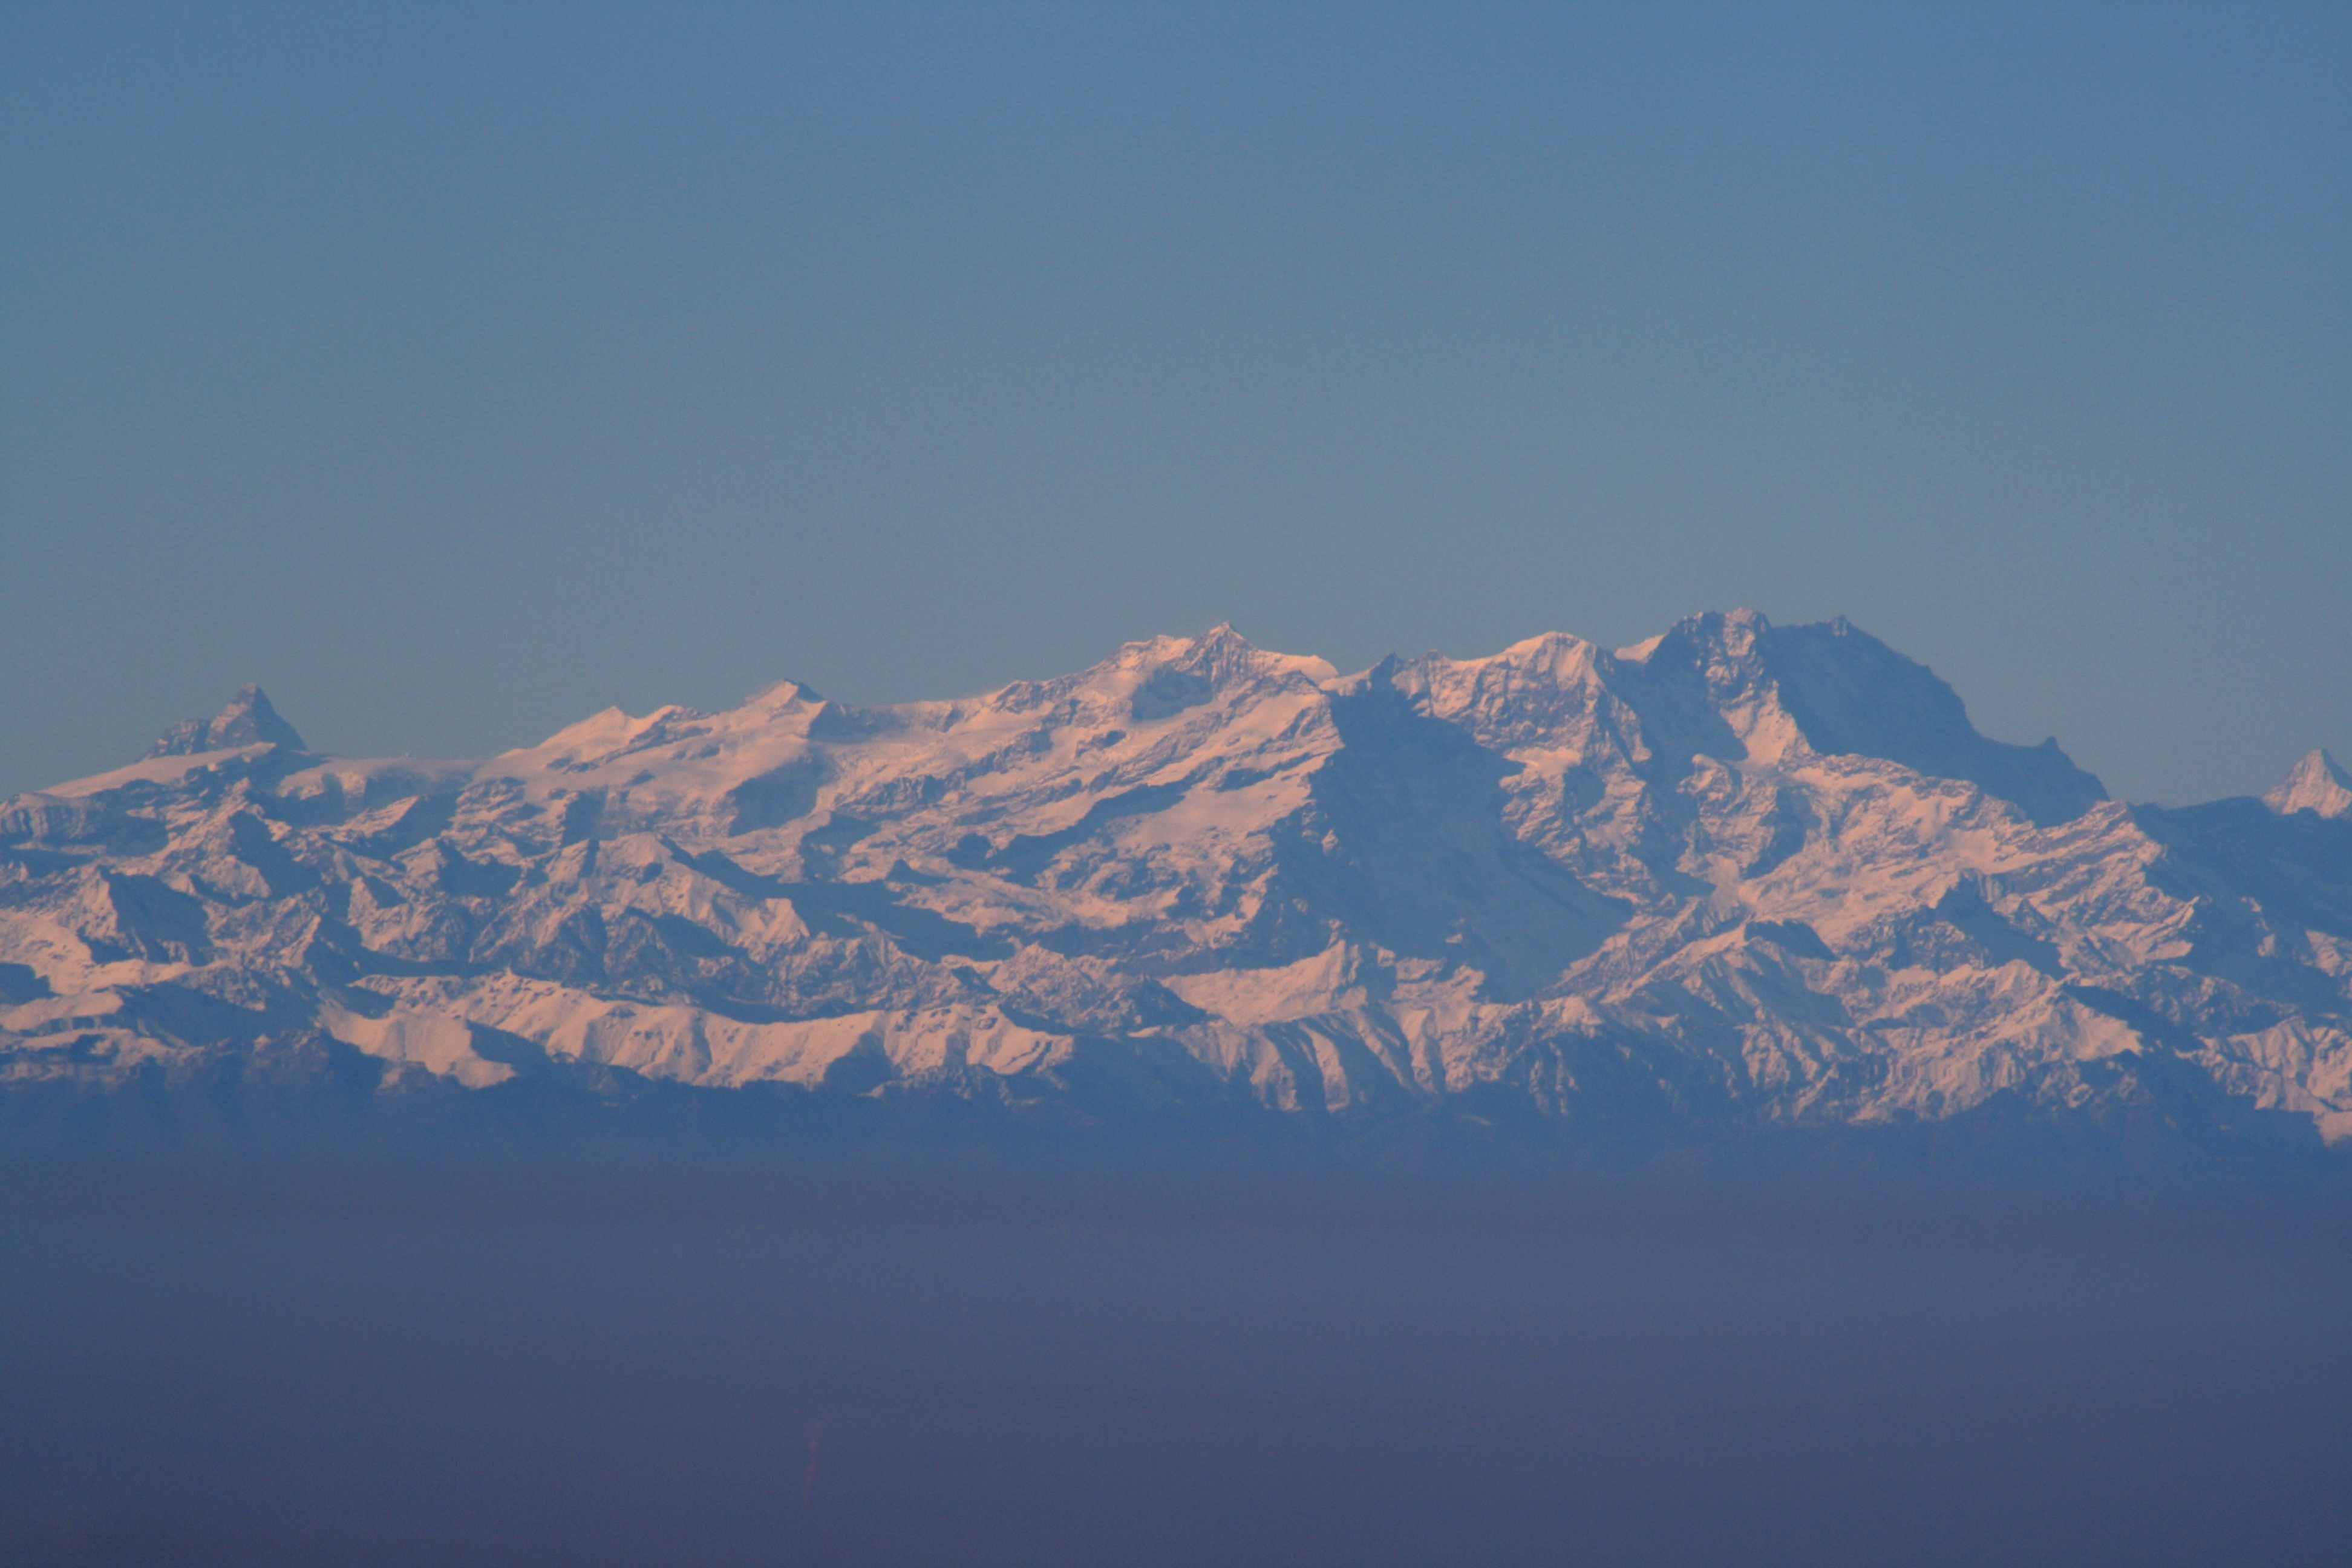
[[1737, 881]]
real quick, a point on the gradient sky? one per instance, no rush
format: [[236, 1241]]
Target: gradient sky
[[455, 372]]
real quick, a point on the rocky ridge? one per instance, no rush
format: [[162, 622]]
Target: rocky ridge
[[1738, 876]]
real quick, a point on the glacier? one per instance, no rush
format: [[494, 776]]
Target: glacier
[[1739, 881]]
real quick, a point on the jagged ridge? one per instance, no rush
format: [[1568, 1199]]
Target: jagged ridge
[[1737, 876]]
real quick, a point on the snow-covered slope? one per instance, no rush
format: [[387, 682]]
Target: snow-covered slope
[[1738, 876], [2318, 784]]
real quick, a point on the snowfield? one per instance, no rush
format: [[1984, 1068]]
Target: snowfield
[[1737, 876]]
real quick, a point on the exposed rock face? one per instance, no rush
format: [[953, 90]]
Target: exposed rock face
[[248, 720], [1738, 876]]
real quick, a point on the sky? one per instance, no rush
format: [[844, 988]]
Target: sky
[[455, 372]]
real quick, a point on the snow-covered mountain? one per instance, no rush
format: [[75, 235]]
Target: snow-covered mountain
[[1738, 878], [2318, 784]]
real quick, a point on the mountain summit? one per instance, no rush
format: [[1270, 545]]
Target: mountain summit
[[2318, 784], [1735, 881], [249, 720]]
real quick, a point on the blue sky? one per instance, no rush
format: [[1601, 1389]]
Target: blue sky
[[455, 372]]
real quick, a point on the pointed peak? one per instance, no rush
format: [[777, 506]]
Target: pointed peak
[[1218, 646], [2316, 783], [1221, 655], [249, 720], [1847, 693], [782, 694], [1170, 648]]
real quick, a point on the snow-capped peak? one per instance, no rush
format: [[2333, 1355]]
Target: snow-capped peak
[[1216, 659], [2318, 784], [249, 720], [1743, 874], [1221, 654]]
